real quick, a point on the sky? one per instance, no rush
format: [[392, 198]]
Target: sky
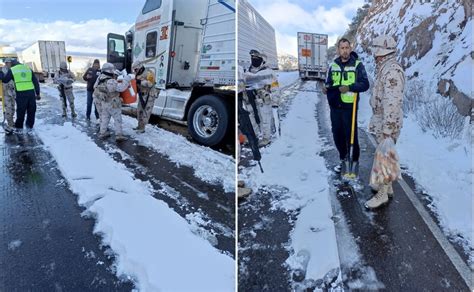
[[83, 25], [288, 17]]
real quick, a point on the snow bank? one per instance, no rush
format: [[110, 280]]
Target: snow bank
[[292, 161], [209, 165], [153, 244]]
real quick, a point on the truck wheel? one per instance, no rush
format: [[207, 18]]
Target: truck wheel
[[208, 119]]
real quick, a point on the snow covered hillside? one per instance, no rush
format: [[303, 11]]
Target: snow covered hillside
[[434, 43]]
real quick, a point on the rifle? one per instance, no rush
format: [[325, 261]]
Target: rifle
[[252, 98], [62, 93], [246, 128]]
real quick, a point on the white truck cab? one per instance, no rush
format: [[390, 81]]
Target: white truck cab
[[190, 45]]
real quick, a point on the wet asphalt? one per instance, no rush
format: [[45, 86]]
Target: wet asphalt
[[396, 250], [48, 246], [394, 241]]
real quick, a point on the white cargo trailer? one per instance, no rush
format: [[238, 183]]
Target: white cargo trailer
[[255, 33], [43, 57], [312, 55], [190, 45]]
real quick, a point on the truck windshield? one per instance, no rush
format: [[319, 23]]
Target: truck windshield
[[151, 5]]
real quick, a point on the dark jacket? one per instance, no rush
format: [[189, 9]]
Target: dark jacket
[[361, 84], [91, 80], [29, 93]]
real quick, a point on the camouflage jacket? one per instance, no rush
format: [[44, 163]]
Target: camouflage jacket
[[387, 97], [107, 89], [64, 78], [9, 87], [146, 83], [265, 83]]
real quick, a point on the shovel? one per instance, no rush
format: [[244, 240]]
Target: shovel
[[350, 173]]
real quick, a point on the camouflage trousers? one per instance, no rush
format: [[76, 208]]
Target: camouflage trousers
[[376, 125], [70, 98], [98, 106], [9, 109], [266, 119], [108, 111], [253, 121], [144, 113]]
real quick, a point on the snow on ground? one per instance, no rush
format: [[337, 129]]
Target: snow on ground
[[443, 169], [292, 161], [209, 165], [153, 244], [287, 78]]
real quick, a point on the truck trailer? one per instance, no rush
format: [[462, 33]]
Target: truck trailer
[[312, 55], [191, 49], [43, 57], [255, 33]]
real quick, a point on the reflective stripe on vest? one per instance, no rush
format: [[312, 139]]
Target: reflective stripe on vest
[[22, 76], [339, 79]]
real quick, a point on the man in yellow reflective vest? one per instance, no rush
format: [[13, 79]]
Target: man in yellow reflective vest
[[346, 78], [27, 91]]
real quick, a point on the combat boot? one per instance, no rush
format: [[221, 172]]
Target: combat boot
[[120, 138], [104, 135], [264, 142], [390, 190], [243, 192], [379, 199]]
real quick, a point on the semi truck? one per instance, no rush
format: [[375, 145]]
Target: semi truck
[[190, 46], [255, 33], [312, 55], [43, 57]]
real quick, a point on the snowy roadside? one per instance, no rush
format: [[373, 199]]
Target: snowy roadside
[[292, 162], [443, 169], [209, 165], [286, 79], [154, 245]]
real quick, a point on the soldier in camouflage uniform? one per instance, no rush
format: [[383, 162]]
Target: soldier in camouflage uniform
[[65, 79], [265, 87], [147, 93], [386, 103], [107, 92], [9, 95]]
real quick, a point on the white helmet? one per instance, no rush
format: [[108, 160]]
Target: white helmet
[[108, 68], [63, 65], [136, 64], [383, 45]]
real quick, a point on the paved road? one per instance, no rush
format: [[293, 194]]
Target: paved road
[[396, 247]]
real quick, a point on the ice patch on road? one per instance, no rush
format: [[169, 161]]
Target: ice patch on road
[[295, 170], [152, 243], [15, 244]]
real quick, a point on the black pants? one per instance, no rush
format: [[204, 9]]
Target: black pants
[[341, 120], [25, 104], [89, 106]]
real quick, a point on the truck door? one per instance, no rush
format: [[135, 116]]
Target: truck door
[[116, 50]]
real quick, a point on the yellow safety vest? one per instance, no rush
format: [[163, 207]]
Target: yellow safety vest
[[339, 79], [22, 77]]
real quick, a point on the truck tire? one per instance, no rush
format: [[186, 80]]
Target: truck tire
[[208, 120]]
